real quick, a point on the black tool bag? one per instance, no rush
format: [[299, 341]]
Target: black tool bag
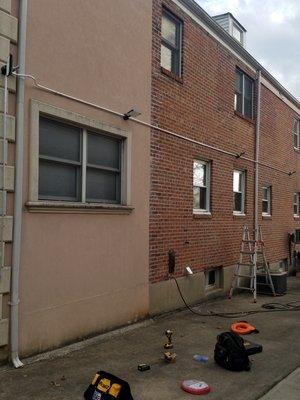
[[106, 386], [230, 352]]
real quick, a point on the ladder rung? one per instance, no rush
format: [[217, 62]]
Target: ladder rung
[[246, 265], [248, 241], [263, 284], [244, 276]]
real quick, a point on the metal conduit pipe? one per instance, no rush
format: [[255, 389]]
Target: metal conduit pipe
[[14, 309], [4, 162], [67, 96]]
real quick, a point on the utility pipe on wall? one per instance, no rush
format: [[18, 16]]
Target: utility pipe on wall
[[156, 127], [14, 311], [4, 162], [256, 159]]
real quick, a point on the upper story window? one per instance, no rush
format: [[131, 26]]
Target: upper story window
[[296, 132], [78, 165], [243, 99], [266, 200], [296, 204], [171, 31], [201, 186], [238, 192]]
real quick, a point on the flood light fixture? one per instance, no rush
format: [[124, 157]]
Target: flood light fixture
[[131, 114], [188, 271]]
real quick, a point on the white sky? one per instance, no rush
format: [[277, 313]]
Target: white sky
[[273, 34]]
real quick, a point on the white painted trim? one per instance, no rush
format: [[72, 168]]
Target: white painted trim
[[84, 157], [268, 213], [201, 212], [243, 184], [207, 164]]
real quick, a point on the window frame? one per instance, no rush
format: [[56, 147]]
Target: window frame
[[242, 94], [297, 204], [241, 32], [218, 273], [207, 210], [296, 133], [86, 124], [176, 51], [268, 200], [243, 187]]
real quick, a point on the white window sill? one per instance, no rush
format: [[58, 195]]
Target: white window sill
[[76, 207], [266, 215], [238, 214], [296, 216], [201, 212]]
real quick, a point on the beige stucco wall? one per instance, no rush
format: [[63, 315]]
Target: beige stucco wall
[[84, 273]]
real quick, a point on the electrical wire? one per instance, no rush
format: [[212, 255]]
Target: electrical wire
[[155, 127], [267, 308]]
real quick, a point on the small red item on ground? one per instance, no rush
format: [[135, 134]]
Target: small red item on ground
[[194, 386], [242, 328]]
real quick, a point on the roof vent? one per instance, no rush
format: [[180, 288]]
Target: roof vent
[[232, 26]]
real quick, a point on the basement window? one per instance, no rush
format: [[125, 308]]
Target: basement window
[[213, 279], [283, 265], [297, 235]]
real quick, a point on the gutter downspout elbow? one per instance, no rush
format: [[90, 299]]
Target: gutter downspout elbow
[[16, 251]]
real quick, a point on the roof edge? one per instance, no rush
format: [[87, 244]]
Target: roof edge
[[232, 16], [201, 13]]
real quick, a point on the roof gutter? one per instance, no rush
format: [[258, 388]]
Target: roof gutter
[[16, 251], [228, 39]]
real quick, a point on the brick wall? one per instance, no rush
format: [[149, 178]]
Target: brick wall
[[200, 106]]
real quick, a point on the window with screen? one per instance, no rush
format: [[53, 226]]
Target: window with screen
[[78, 165], [201, 186], [238, 192]]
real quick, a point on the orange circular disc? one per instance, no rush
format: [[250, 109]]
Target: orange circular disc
[[242, 328]]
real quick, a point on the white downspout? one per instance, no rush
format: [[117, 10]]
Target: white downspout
[[256, 159], [14, 311]]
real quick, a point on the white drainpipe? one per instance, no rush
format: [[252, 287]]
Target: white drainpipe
[[14, 311], [256, 161]]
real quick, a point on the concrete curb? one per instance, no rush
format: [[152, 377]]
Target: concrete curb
[[61, 352], [287, 388]]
